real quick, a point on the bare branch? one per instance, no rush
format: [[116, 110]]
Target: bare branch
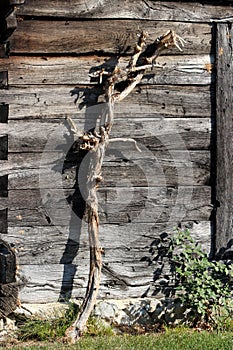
[[170, 39], [119, 97], [73, 127], [119, 139], [97, 143], [138, 49]]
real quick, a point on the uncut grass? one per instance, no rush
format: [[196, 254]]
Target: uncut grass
[[44, 334], [171, 339]]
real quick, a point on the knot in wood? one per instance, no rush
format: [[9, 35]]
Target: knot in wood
[[89, 142]]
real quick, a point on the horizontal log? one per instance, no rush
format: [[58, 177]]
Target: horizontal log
[[35, 136], [61, 70], [133, 278], [120, 205], [133, 273], [110, 36], [53, 244], [134, 270], [172, 167], [58, 101], [52, 282], [161, 10]]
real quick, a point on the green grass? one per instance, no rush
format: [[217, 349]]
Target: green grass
[[35, 328], [35, 334], [54, 329], [176, 339]]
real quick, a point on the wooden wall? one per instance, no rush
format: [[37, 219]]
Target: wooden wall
[[171, 115]]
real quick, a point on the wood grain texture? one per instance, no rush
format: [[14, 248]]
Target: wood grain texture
[[143, 194], [46, 244], [179, 133], [182, 70], [110, 36], [117, 205], [150, 10], [224, 97], [130, 268], [176, 167], [58, 101]]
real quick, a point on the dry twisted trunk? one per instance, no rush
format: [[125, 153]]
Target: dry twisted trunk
[[96, 143]]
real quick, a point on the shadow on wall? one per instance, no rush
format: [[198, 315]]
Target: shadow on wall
[[160, 256], [89, 97]]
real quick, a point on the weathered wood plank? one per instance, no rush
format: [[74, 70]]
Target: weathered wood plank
[[181, 70], [110, 36], [130, 272], [190, 168], [47, 244], [58, 101], [224, 112], [35, 136], [119, 205], [174, 168], [133, 278], [17, 163], [134, 9], [45, 282]]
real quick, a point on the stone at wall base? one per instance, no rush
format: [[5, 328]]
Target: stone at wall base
[[127, 312]]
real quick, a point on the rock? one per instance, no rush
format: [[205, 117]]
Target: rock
[[45, 311], [127, 312], [106, 310]]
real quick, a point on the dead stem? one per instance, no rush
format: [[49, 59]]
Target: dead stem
[[96, 144]]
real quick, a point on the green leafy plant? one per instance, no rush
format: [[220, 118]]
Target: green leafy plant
[[98, 327], [203, 286]]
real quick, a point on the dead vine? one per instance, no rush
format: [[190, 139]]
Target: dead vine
[[96, 143]]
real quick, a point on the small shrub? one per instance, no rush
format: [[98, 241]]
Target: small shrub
[[97, 327], [202, 285]]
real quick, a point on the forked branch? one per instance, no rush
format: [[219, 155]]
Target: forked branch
[[96, 143]]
